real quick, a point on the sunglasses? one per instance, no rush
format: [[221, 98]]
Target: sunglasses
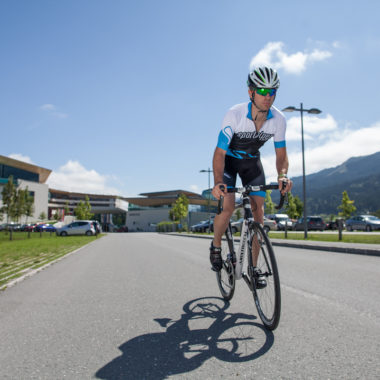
[[265, 91]]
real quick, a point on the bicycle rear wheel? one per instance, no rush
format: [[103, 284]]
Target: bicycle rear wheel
[[226, 276], [267, 299]]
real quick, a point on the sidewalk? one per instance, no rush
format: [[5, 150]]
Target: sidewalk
[[355, 248]]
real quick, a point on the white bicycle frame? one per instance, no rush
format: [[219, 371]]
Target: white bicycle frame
[[244, 238]]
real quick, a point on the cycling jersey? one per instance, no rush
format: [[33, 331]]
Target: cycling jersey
[[239, 138]]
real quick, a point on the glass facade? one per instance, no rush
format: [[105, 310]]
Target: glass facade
[[7, 171]]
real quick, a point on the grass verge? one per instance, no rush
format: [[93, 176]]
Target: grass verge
[[365, 238], [23, 254]]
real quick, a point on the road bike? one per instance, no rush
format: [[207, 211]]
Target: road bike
[[267, 298]]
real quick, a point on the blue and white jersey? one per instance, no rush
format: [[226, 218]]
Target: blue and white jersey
[[239, 137]]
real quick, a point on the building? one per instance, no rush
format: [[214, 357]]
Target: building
[[28, 176], [104, 207], [146, 211], [136, 213]]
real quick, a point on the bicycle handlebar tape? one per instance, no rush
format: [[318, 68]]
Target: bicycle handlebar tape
[[282, 199]]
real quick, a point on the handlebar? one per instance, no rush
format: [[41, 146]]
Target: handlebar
[[246, 190]]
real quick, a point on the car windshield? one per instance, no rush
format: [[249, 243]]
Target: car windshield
[[371, 217]]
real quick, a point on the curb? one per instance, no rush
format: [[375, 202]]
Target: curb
[[356, 249], [35, 271]]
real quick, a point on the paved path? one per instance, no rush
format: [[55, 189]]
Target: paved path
[[146, 306]]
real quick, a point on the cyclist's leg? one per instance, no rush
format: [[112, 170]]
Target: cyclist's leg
[[257, 204], [253, 174], [221, 221]]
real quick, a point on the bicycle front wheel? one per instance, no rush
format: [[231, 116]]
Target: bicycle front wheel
[[226, 276], [267, 298]]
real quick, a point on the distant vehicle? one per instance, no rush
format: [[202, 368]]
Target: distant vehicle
[[28, 227], [315, 223], [79, 227], [282, 220], [45, 228], [363, 222], [122, 229], [12, 226], [268, 225], [333, 225], [202, 226]]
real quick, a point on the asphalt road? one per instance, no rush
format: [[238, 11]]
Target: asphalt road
[[147, 306]]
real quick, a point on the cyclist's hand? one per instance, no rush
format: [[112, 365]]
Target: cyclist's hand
[[288, 184], [217, 192]]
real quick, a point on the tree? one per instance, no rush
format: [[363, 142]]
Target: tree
[[269, 205], [29, 205], [238, 213], [42, 216], [299, 205], [83, 210], [20, 203], [347, 206], [180, 208], [9, 197], [67, 210]]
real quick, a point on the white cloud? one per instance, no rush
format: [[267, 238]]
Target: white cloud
[[312, 125], [194, 188], [53, 110], [48, 107], [76, 178], [337, 147], [273, 55], [21, 157]]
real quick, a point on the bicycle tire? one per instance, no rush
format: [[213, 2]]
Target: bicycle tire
[[226, 276], [268, 299]]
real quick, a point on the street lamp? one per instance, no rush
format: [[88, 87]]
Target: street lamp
[[314, 111], [209, 195]]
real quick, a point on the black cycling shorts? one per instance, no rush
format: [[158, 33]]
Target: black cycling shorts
[[251, 172]]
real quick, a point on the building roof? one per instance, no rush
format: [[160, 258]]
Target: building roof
[[43, 173], [172, 193], [167, 198]]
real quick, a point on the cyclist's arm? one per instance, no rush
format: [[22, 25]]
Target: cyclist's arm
[[218, 167], [282, 165]]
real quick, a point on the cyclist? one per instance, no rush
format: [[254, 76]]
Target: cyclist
[[246, 127]]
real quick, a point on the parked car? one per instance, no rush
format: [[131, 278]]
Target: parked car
[[45, 228], [12, 226], [315, 223], [203, 226], [79, 227], [363, 222], [282, 220], [268, 225], [333, 225]]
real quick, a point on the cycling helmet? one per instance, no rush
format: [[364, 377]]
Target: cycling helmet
[[263, 77]]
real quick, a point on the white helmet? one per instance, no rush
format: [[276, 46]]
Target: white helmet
[[263, 77]]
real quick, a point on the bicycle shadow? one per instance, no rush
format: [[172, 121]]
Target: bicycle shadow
[[230, 337]]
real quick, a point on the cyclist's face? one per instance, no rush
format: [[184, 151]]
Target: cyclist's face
[[263, 102]]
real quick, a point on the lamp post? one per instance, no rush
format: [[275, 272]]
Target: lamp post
[[209, 195], [312, 111]]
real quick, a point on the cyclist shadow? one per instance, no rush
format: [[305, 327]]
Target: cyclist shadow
[[230, 337]]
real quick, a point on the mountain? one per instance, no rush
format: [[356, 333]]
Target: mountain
[[359, 176]]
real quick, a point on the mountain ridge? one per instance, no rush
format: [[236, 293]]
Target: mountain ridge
[[359, 176]]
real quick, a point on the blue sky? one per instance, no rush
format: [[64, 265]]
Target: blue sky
[[128, 97]]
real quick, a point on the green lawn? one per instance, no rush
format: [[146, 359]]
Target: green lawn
[[366, 238], [23, 254]]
